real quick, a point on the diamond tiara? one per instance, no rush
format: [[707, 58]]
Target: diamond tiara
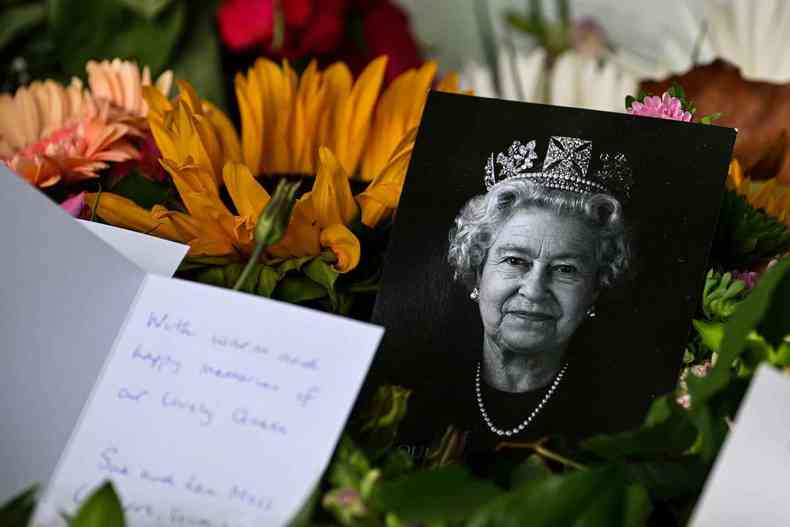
[[566, 167]]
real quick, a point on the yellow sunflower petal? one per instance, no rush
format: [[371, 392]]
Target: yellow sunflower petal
[[251, 111], [735, 178], [302, 238], [331, 194], [398, 111], [343, 244], [352, 124], [188, 95], [226, 132], [248, 195], [123, 212], [337, 86], [383, 194]]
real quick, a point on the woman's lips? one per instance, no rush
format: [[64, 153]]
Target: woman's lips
[[532, 315]]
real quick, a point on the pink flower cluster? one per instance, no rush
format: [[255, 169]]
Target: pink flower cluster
[[664, 107]]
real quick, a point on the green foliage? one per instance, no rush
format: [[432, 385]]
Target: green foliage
[[55, 39], [17, 512], [667, 433], [141, 190], [721, 295], [709, 119], [17, 20], [677, 91], [599, 497], [554, 36], [630, 99], [378, 423], [765, 311], [147, 8], [198, 56], [747, 235], [444, 494], [111, 29], [101, 509]]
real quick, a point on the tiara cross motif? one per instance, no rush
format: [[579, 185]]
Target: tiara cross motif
[[565, 167]]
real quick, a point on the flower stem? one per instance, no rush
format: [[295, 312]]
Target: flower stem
[[256, 254], [545, 452]]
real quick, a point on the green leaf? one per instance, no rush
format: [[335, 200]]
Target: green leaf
[[531, 469], [764, 310], [198, 56], [668, 431], [147, 8], [708, 119], [629, 100], [598, 497], [322, 272], [141, 190], [268, 278], [17, 512], [747, 235], [17, 20], [379, 421], [325, 274], [96, 29], [711, 333], [101, 509], [293, 264], [671, 479], [298, 289], [443, 494]]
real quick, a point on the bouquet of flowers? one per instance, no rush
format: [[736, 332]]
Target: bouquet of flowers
[[295, 204]]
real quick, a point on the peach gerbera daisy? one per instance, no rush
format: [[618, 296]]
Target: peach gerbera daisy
[[121, 83], [50, 133]]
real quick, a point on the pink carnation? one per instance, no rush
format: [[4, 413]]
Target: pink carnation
[[664, 107]]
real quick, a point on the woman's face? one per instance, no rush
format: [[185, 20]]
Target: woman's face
[[538, 281]]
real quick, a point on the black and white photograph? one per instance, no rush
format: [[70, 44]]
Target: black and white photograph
[[544, 267]]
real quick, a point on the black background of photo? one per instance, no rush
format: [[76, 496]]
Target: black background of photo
[[632, 351]]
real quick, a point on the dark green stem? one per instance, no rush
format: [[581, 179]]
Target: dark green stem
[[254, 257]]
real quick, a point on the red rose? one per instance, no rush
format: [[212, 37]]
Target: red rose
[[297, 12], [244, 23], [387, 32], [324, 34]]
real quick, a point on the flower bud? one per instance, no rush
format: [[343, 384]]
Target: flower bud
[[273, 221]]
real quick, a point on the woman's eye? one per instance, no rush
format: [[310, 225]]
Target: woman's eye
[[514, 260], [566, 269]]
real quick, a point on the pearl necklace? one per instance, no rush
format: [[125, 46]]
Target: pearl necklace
[[515, 430]]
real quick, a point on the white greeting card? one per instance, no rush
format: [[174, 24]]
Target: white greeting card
[[151, 254], [749, 481], [204, 406]]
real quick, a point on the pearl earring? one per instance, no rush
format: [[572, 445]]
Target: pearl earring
[[475, 294], [591, 312]]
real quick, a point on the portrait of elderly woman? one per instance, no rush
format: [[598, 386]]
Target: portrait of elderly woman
[[543, 270], [535, 252]]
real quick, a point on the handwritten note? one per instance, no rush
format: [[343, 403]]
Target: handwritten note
[[215, 409], [749, 481]]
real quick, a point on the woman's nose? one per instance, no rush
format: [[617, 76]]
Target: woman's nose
[[534, 283]]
